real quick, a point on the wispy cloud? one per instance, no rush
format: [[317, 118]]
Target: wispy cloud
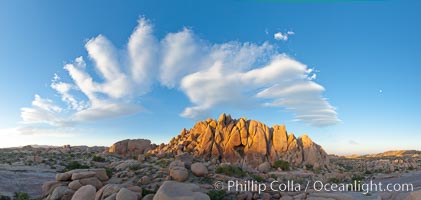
[[353, 142], [230, 74]]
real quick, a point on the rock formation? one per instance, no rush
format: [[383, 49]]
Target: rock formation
[[247, 142], [130, 148]]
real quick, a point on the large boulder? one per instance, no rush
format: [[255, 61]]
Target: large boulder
[[125, 194], [186, 158], [83, 174], [107, 191], [61, 193], [179, 173], [94, 181], [49, 186], [63, 176], [86, 192], [101, 174], [75, 185], [199, 169], [171, 190], [127, 148]]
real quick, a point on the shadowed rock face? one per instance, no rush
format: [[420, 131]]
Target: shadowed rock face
[[245, 141]]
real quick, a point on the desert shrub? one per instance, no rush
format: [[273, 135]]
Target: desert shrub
[[356, 180], [257, 178], [163, 163], [98, 159], [309, 166], [146, 192], [334, 180], [217, 194], [206, 180], [75, 165], [109, 172], [2, 197], [148, 156], [21, 196], [230, 171], [284, 165], [134, 167]]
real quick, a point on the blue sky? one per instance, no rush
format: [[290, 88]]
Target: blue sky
[[351, 68]]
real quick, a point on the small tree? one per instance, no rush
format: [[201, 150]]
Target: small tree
[[21, 196]]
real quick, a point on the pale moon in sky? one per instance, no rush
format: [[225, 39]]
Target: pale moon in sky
[[381, 91]]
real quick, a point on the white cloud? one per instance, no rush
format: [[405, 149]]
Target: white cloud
[[181, 55], [283, 82], [142, 50], [282, 36], [106, 109], [64, 90], [44, 111], [116, 84], [231, 74]]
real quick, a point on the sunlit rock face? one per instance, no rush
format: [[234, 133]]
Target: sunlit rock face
[[242, 141]]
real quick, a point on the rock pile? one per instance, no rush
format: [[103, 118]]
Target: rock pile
[[67, 183], [87, 184], [245, 141]]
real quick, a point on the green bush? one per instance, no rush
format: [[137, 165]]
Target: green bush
[[309, 166], [284, 165], [257, 178], [75, 165], [98, 159], [230, 171], [21, 196], [217, 194]]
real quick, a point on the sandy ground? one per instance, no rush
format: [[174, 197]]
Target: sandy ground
[[23, 179]]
